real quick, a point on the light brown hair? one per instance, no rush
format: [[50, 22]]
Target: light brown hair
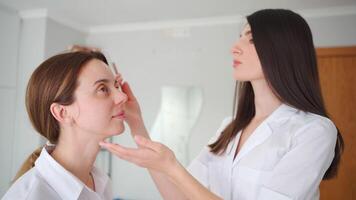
[[54, 81]]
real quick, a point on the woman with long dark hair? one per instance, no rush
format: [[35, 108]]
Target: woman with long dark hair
[[280, 143]]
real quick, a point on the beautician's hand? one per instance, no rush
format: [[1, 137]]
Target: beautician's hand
[[133, 115], [149, 154], [158, 158], [76, 47], [174, 180]]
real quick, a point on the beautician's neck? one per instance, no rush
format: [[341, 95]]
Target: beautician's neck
[[265, 100], [76, 155]]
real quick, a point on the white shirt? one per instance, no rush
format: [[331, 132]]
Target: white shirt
[[49, 180], [284, 158]]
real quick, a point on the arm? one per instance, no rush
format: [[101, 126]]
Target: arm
[[171, 179], [190, 186], [166, 187], [134, 119], [160, 159]]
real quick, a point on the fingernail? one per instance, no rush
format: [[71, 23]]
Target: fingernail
[[102, 144], [138, 138]]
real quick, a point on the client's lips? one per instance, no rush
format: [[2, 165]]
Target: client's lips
[[120, 115]]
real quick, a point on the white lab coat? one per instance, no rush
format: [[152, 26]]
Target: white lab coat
[[49, 180], [285, 158]]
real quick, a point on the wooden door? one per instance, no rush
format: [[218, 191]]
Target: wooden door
[[337, 71]]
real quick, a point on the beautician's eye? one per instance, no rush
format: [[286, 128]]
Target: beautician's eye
[[251, 41]]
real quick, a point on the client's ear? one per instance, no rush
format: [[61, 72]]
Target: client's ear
[[61, 114]]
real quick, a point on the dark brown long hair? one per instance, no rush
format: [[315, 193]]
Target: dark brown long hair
[[54, 81], [284, 45]]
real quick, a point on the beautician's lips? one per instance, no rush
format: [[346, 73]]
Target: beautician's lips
[[236, 63], [120, 115]]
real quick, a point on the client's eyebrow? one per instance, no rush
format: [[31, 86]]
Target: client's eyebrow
[[104, 80]]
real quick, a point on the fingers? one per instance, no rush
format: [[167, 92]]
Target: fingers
[[125, 87], [136, 156], [75, 48], [147, 143], [119, 79], [118, 149], [127, 90]]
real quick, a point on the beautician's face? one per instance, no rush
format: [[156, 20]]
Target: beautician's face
[[98, 105], [246, 64]]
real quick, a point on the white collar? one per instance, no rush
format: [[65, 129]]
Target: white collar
[[62, 181], [281, 114]]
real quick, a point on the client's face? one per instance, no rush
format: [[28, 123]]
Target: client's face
[[99, 102]]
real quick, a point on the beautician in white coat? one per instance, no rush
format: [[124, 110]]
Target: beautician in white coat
[[279, 145]]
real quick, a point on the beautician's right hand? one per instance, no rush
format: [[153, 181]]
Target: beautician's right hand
[[149, 154]]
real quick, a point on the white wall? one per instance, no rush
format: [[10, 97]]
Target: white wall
[[25, 43], [10, 28], [334, 31], [31, 53], [59, 37]]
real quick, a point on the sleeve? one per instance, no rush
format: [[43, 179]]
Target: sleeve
[[198, 168], [300, 171]]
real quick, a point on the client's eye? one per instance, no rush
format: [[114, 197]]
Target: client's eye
[[103, 89]]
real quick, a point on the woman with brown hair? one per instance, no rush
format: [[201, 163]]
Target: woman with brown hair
[[74, 101], [279, 144]]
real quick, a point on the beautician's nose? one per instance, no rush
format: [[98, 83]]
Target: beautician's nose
[[236, 48]]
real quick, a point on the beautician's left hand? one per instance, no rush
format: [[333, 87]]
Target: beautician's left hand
[[149, 154], [133, 115]]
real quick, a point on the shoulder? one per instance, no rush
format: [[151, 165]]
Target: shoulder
[[309, 120], [29, 186], [23, 186], [311, 125]]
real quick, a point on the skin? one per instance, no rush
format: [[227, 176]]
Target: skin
[[96, 114], [170, 177]]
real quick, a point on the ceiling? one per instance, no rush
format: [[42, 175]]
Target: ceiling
[[91, 13]]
